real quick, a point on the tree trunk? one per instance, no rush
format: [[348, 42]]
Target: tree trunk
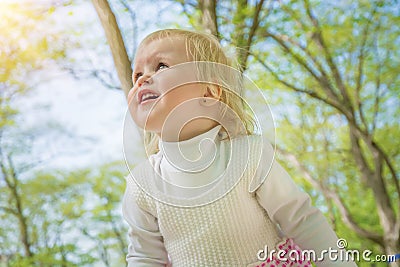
[[116, 43], [374, 180], [209, 16]]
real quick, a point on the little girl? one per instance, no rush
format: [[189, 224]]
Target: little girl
[[210, 193]]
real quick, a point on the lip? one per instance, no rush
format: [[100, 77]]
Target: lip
[[142, 92]]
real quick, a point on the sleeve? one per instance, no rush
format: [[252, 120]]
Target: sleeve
[[291, 209], [146, 247]]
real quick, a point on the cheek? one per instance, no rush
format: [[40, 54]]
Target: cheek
[[175, 77], [175, 103], [131, 95], [133, 110], [184, 93]]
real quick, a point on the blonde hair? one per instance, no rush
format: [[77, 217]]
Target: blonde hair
[[204, 47]]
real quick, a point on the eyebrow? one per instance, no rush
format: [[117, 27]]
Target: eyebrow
[[159, 56]]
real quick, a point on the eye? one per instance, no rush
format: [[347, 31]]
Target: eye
[[162, 66], [137, 76]]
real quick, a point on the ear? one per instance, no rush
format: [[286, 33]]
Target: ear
[[213, 91], [212, 95]]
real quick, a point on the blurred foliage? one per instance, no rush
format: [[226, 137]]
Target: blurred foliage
[[27, 44], [72, 218], [330, 71], [48, 217], [360, 41]]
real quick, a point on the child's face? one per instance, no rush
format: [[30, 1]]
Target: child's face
[[159, 87]]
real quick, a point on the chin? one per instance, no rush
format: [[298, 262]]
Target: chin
[[150, 128]]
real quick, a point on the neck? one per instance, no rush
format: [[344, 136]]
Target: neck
[[191, 129]]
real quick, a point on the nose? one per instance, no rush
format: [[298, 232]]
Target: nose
[[145, 78]]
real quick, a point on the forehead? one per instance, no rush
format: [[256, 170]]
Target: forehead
[[158, 48]]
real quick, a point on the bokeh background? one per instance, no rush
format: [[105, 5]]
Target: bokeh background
[[328, 69]]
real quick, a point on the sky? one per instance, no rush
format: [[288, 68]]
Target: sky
[[76, 122], [89, 121], [79, 122]]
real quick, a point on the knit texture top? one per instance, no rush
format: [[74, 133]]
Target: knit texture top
[[217, 204]]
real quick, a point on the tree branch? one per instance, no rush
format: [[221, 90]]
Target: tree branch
[[239, 38], [375, 181], [322, 79], [360, 68], [104, 255], [134, 26], [328, 193], [209, 19], [117, 233], [336, 74], [117, 46], [331, 102], [342, 105], [96, 73], [23, 227], [376, 151], [254, 26], [363, 167], [9, 210]]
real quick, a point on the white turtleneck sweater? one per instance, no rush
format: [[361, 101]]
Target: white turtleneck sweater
[[209, 201]]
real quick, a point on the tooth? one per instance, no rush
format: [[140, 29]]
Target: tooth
[[148, 95]]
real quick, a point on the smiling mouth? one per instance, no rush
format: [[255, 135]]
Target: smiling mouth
[[148, 97]]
